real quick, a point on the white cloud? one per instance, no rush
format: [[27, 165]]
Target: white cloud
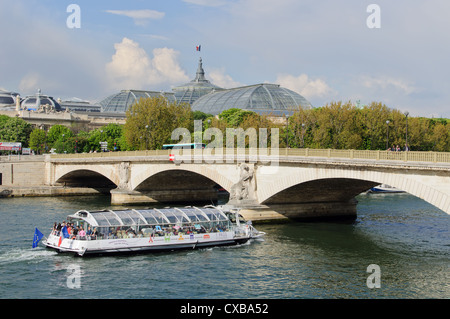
[[140, 17], [132, 68], [305, 86], [206, 3], [219, 78], [385, 82], [30, 82]]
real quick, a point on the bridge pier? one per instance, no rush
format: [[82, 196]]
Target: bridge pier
[[317, 211], [127, 197]]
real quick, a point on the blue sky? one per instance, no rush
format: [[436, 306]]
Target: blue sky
[[322, 49]]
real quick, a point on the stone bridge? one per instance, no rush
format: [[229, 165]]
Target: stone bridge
[[296, 183]]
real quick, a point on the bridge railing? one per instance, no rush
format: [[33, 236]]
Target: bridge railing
[[410, 156]]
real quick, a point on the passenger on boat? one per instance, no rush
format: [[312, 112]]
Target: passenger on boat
[[58, 229], [82, 233], [74, 232], [94, 234], [89, 232]]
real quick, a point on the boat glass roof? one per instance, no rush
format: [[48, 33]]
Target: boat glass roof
[[151, 216]]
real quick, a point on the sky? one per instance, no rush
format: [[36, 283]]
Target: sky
[[325, 50]]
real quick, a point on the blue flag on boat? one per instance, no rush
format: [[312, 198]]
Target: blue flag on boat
[[64, 232], [37, 237]]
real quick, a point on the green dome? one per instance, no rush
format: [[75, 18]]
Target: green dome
[[122, 101], [191, 91], [260, 98]]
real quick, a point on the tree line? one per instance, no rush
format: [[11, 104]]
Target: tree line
[[150, 122]]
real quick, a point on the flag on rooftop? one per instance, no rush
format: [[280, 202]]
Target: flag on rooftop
[[198, 47]]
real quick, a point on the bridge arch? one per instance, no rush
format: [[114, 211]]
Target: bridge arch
[[87, 176], [141, 174], [348, 183]]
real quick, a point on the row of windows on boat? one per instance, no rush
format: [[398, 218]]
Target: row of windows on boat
[[91, 233]]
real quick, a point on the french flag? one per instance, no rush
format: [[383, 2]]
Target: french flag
[[198, 47], [64, 234]]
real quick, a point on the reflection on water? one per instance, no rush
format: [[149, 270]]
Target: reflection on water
[[406, 237]]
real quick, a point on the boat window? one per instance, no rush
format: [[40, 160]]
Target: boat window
[[101, 219], [112, 218], [149, 217], [129, 217], [159, 217], [171, 216], [192, 215], [214, 214]]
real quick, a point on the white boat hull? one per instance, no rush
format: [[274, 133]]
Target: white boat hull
[[142, 244]]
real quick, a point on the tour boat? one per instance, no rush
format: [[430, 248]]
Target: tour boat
[[149, 230], [384, 188]]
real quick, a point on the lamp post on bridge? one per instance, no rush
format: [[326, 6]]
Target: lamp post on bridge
[[387, 134], [406, 144], [287, 131]]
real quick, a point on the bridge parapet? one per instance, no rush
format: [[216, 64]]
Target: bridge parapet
[[410, 156]]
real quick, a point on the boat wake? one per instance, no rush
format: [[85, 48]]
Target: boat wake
[[25, 255]]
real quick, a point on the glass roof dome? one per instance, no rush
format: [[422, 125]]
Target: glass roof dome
[[160, 216], [8, 99], [34, 102], [122, 101], [260, 98], [191, 91]]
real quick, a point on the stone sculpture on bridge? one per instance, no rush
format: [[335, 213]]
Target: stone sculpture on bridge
[[244, 189], [124, 175]]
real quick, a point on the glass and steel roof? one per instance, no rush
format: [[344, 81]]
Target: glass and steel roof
[[261, 98], [33, 102], [122, 101], [191, 91], [153, 216], [8, 98]]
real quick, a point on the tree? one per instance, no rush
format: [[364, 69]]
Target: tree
[[111, 133], [199, 115], [150, 122], [38, 141], [14, 129], [58, 132], [234, 117]]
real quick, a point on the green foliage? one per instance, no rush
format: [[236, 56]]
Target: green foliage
[[343, 126], [199, 115], [234, 117], [110, 133], [150, 122], [58, 132], [14, 129], [38, 140]]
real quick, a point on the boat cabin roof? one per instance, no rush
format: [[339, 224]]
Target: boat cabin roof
[[155, 216]]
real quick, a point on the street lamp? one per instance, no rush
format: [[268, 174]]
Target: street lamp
[[406, 144], [146, 137], [303, 135], [287, 131], [387, 134]]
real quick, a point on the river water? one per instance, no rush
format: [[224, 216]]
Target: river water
[[407, 238]]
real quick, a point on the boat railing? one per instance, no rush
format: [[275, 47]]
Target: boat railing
[[112, 233]]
